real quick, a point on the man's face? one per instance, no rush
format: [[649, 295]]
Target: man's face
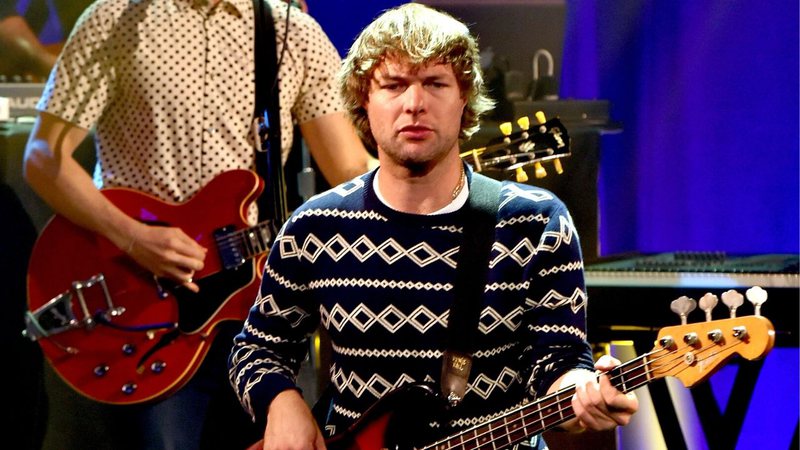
[[415, 112]]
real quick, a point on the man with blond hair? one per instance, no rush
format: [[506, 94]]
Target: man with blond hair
[[374, 261]]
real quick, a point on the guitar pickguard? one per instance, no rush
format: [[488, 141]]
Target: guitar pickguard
[[196, 310]]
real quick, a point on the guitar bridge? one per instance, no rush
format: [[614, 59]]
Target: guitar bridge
[[57, 315]]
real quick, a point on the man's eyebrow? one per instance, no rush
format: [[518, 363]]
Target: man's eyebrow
[[388, 77], [403, 77]]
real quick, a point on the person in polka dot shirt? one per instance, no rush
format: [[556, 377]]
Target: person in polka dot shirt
[[168, 86]]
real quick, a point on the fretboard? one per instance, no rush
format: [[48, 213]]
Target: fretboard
[[541, 415], [238, 246]]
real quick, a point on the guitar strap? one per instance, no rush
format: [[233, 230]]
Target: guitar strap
[[471, 277], [272, 202]]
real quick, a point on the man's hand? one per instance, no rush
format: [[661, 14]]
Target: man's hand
[[600, 406], [290, 425], [167, 252]]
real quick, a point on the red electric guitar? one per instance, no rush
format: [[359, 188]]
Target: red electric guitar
[[690, 353], [113, 331]]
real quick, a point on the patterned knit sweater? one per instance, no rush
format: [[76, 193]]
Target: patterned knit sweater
[[381, 283]]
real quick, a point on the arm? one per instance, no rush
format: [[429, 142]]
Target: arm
[[561, 356], [56, 176], [21, 45], [598, 405], [268, 352], [326, 129], [336, 148]]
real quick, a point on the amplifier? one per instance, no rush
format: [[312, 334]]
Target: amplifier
[[22, 98]]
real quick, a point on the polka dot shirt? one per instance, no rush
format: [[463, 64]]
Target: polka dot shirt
[[169, 87]]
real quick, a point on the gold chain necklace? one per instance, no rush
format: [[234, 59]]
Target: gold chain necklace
[[462, 180]]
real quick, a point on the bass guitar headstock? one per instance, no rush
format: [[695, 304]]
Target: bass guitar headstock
[[692, 352], [514, 151]]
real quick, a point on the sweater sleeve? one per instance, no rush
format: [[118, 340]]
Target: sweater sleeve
[[267, 353], [556, 318]]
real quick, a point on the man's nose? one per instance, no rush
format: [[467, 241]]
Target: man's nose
[[415, 98]]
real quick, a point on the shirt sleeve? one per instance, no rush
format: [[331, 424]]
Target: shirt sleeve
[[81, 82], [557, 320], [273, 343], [318, 94]]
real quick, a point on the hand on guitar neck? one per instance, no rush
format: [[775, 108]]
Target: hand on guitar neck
[[597, 404]]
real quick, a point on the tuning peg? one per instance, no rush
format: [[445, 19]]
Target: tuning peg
[[557, 166], [506, 128], [538, 170], [707, 303], [521, 175], [757, 297], [524, 122], [733, 300], [682, 306], [476, 159]]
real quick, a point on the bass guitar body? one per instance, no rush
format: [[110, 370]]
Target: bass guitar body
[[117, 334], [399, 421]]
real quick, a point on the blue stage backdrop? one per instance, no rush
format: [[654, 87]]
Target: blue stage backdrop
[[707, 93]]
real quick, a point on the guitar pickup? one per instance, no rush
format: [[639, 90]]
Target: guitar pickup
[[57, 315]]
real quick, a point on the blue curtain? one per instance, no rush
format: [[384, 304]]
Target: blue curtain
[[707, 93]]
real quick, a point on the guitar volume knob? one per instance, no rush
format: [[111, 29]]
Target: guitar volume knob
[[158, 366], [100, 370], [128, 349], [129, 388]]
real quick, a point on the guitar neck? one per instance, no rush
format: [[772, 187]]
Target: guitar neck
[[541, 415], [690, 353], [236, 247], [256, 239]]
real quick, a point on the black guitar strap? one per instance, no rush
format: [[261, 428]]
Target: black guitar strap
[[272, 202], [471, 277]]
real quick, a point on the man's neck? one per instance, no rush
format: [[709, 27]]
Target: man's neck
[[422, 193]]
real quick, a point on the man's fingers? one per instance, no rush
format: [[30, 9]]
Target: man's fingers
[[186, 246], [606, 362]]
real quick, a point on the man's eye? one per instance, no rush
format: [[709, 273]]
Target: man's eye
[[391, 86]]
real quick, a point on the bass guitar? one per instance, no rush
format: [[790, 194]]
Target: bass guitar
[[691, 353], [119, 335]]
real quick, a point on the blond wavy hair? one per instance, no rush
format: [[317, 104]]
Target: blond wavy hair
[[419, 35]]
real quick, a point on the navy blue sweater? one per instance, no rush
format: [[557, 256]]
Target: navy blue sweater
[[381, 283]]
